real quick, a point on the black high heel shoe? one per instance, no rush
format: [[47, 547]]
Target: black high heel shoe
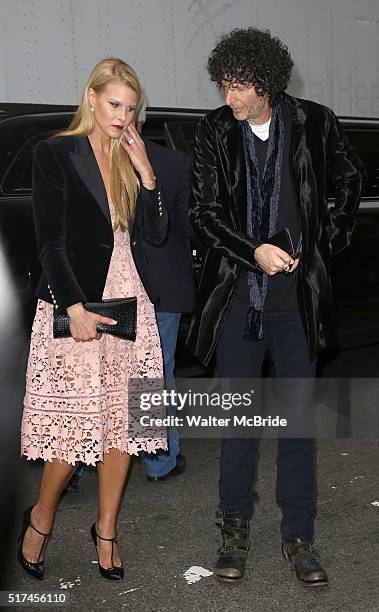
[[114, 572], [34, 569]]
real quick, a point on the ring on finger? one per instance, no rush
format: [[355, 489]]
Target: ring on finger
[[131, 141]]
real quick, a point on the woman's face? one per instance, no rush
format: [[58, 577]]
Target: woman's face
[[114, 108]]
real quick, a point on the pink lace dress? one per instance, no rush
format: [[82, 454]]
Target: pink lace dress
[[76, 401]]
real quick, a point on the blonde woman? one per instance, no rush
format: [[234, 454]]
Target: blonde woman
[[94, 196]]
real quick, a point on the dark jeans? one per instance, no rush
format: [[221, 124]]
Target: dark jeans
[[161, 462], [239, 358]]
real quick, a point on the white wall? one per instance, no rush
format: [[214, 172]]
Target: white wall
[[47, 47]]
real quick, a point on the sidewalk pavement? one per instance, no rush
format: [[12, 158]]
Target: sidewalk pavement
[[167, 528]]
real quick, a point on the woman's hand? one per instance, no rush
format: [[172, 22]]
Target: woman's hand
[[135, 147], [83, 323]]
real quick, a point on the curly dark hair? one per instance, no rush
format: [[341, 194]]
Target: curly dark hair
[[252, 56]]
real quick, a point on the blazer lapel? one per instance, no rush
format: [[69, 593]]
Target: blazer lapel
[[86, 166]]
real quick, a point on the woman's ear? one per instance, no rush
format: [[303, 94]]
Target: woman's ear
[[91, 96]]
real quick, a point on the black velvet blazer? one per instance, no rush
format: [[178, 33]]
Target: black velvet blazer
[[73, 225], [318, 152]]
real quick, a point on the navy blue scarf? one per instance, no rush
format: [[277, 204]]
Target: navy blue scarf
[[262, 210]]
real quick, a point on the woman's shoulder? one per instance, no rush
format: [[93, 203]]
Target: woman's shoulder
[[57, 143], [55, 149]]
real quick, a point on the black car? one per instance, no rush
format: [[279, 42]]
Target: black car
[[355, 273]]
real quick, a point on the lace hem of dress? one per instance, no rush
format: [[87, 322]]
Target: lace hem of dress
[[69, 438], [134, 447]]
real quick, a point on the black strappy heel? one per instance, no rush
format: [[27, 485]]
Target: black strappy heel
[[34, 569], [114, 572]]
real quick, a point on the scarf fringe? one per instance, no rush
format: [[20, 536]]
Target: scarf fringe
[[254, 325]]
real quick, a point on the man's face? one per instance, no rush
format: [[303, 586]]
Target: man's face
[[245, 103]]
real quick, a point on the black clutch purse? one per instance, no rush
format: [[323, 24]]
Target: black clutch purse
[[122, 310]]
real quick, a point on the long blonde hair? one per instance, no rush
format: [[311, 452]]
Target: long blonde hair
[[124, 182]]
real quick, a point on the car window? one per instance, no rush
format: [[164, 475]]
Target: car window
[[366, 143], [16, 157], [181, 134], [18, 179]]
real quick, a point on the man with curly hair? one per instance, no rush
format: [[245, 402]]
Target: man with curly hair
[[261, 165]]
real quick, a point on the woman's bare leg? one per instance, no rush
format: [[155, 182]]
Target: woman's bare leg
[[112, 474], [55, 477]]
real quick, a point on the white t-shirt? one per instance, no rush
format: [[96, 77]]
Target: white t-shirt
[[261, 130]]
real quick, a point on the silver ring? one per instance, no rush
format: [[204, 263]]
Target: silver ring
[[131, 141]]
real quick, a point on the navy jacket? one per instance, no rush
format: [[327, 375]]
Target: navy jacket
[[170, 263]]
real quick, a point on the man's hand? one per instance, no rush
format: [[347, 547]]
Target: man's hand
[[271, 259]]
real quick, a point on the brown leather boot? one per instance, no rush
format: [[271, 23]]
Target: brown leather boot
[[303, 557], [230, 565]]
